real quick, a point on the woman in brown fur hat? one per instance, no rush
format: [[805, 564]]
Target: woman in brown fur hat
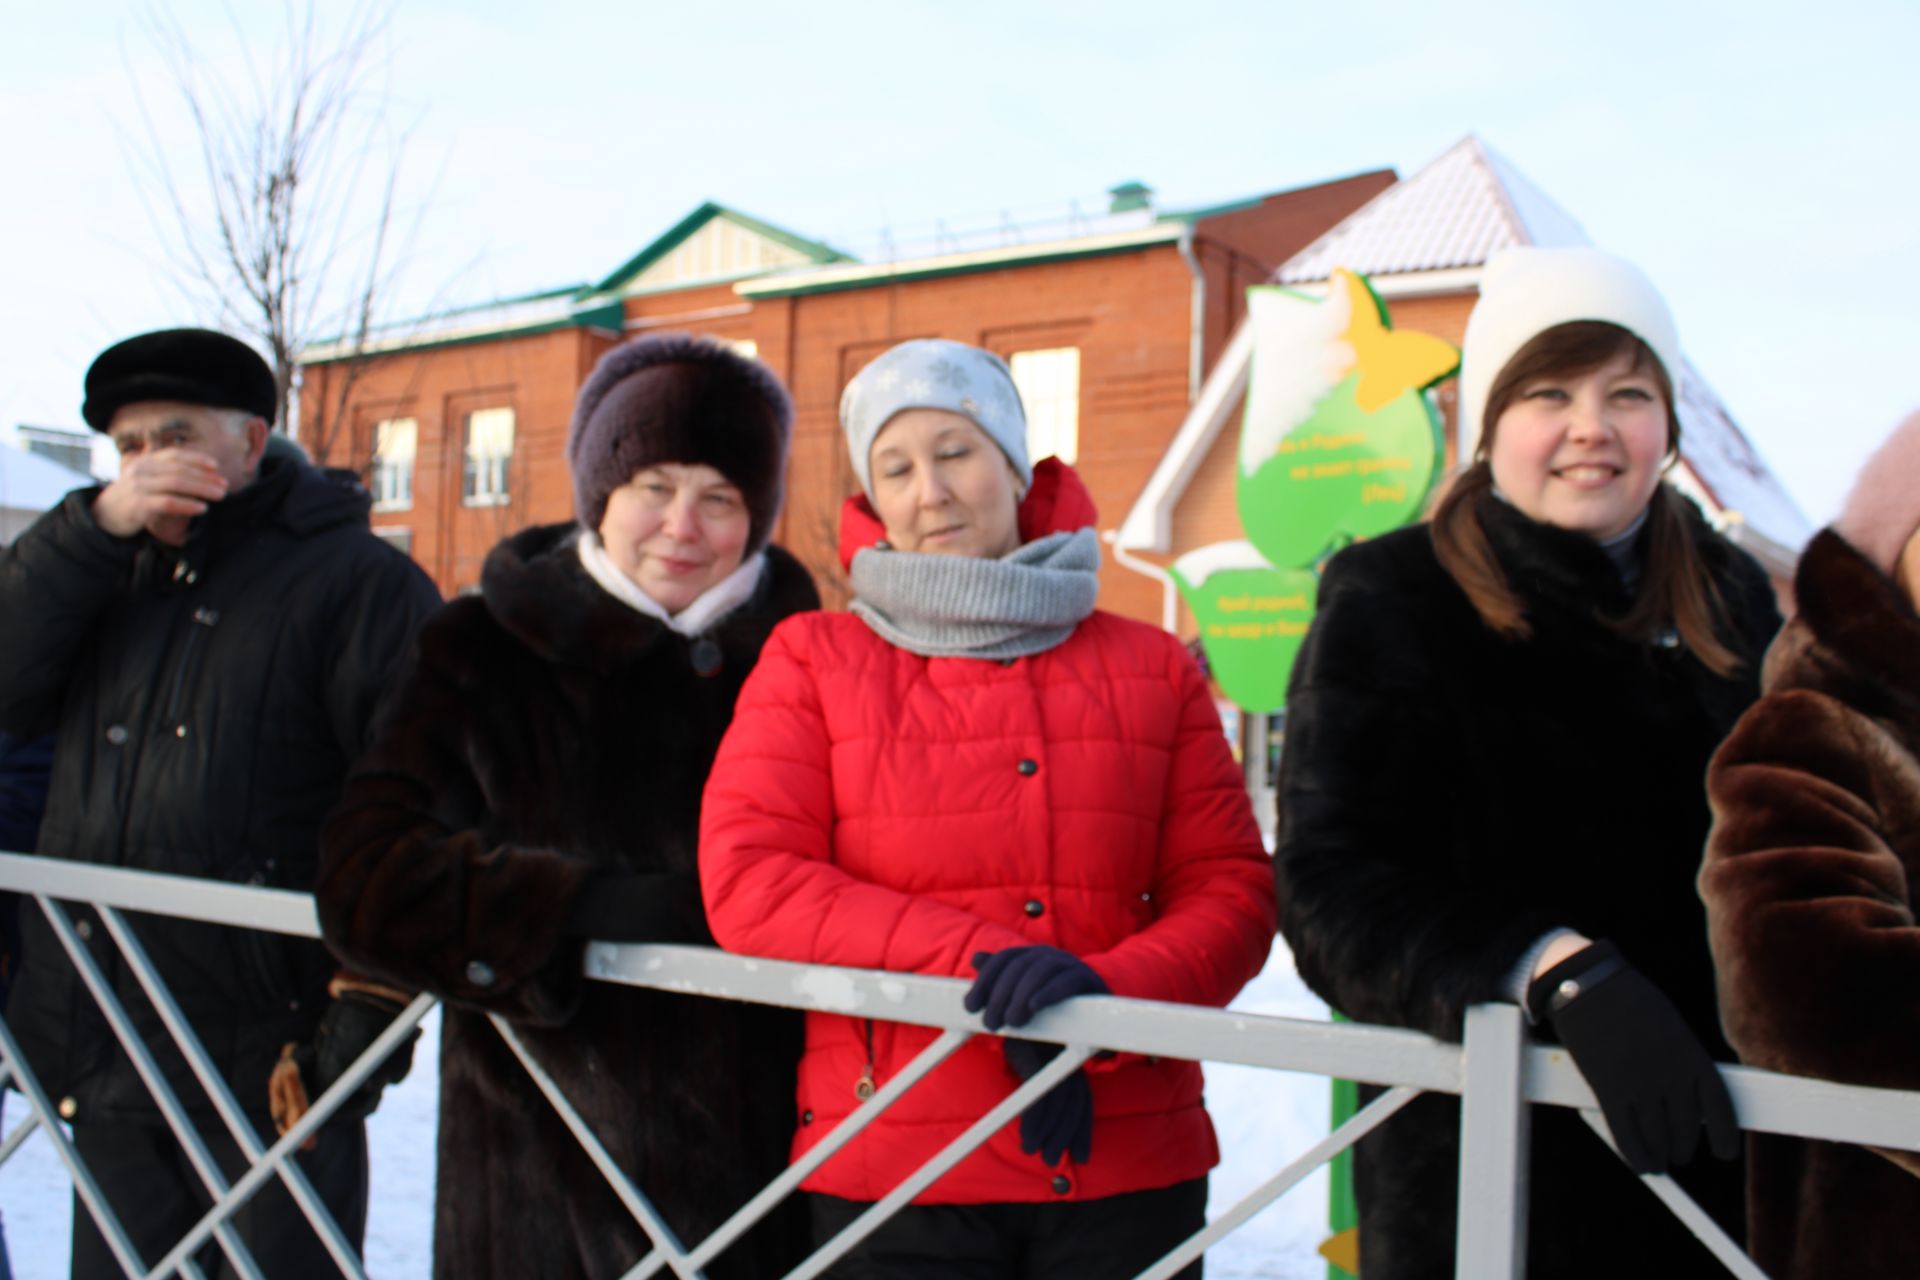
[[537, 784], [1811, 872]]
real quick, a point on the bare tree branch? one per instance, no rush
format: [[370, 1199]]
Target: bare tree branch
[[286, 228]]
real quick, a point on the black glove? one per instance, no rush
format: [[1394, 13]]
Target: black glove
[[1062, 1120], [638, 906], [359, 1012], [1019, 982], [1656, 1085]]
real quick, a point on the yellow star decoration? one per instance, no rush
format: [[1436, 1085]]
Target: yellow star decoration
[[1343, 1250], [1389, 363]]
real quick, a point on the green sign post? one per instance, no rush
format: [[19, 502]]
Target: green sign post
[[1339, 442]]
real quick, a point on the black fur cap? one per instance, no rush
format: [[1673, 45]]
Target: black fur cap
[[193, 366]]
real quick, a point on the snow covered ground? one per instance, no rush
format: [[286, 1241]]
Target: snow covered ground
[[1264, 1119]]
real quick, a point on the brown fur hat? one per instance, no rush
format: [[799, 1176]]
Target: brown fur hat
[[679, 397]]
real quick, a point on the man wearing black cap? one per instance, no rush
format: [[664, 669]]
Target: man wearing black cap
[[209, 635]]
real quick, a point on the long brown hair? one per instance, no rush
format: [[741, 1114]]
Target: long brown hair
[[1676, 587]]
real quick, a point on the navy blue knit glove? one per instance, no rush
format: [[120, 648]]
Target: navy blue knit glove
[[1012, 986], [1062, 1121], [1019, 982]]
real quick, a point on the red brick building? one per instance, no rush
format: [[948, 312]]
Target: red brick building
[[1111, 322]]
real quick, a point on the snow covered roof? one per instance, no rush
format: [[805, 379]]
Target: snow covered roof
[[1735, 477], [1456, 212], [29, 482], [1442, 224], [506, 317]]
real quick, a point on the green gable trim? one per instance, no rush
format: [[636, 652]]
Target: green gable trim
[[685, 286], [610, 316], [813, 249], [933, 269], [679, 232], [659, 248]]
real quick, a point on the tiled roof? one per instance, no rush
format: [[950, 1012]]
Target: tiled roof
[[1457, 212]]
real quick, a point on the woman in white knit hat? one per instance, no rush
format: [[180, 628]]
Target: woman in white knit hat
[[1492, 782], [977, 774], [1811, 874]]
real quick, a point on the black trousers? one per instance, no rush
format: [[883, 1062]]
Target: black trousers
[[152, 1188], [1112, 1239]]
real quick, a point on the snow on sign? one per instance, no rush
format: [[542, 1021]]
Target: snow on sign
[[1339, 442]]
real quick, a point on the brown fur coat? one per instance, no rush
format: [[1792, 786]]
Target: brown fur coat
[[1809, 885], [548, 734]]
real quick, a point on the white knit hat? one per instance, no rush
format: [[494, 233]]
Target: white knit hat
[[1524, 292], [935, 373]]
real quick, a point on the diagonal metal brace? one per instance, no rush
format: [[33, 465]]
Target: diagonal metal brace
[[1683, 1207], [290, 1142], [665, 1242], [150, 1074], [83, 1184], [224, 1103]]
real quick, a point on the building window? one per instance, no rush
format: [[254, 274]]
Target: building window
[[397, 536], [394, 443], [489, 453], [1049, 382], [71, 450]]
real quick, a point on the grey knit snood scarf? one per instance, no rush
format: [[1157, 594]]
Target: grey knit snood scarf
[[1026, 602]]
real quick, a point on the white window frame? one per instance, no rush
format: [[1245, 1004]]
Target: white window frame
[[397, 536], [487, 458], [396, 444], [1049, 382]]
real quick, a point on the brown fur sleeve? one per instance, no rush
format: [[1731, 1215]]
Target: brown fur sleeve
[[1806, 882], [411, 891]]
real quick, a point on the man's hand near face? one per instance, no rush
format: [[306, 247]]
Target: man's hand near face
[[160, 491]]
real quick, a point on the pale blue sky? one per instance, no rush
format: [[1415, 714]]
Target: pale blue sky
[[1758, 160]]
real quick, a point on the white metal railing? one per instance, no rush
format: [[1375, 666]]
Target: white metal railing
[[1496, 1071]]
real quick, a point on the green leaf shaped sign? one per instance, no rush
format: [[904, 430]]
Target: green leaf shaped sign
[[1339, 440], [1252, 619]]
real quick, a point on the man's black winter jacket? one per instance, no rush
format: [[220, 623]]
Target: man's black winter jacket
[[208, 702]]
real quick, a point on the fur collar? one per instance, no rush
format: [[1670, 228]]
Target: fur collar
[[1571, 572], [1562, 569], [1855, 637], [537, 590]]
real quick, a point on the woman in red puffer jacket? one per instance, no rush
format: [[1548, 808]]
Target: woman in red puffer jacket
[[976, 774]]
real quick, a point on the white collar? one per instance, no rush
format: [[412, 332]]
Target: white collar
[[717, 601]]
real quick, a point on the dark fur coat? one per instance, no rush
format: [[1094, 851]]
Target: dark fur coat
[[1809, 884], [548, 735], [1448, 796]]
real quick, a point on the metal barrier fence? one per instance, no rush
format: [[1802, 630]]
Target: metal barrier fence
[[1497, 1073]]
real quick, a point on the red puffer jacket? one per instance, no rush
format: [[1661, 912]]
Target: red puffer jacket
[[874, 808]]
